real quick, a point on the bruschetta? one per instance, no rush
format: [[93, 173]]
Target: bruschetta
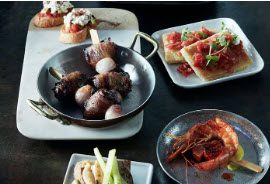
[[76, 24], [217, 56], [52, 14], [174, 41]]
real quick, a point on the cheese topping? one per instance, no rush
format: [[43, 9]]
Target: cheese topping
[[80, 17], [56, 6]]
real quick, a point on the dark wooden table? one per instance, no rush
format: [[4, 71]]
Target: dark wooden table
[[23, 160]]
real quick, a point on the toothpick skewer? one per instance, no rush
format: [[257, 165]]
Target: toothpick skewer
[[94, 36], [57, 75], [248, 165]]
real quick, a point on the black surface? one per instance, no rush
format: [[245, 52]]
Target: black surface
[[30, 161]]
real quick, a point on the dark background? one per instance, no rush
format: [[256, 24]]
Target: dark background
[[31, 161]]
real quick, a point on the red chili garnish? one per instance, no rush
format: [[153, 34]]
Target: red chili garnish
[[185, 69]]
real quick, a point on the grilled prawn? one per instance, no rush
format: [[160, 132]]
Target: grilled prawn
[[206, 146]]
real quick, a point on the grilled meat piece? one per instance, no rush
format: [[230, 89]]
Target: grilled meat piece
[[113, 80], [66, 88], [96, 52], [96, 106]]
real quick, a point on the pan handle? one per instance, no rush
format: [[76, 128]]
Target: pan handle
[[147, 38], [44, 110]]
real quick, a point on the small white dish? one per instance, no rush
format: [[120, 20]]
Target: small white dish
[[141, 172], [193, 81]]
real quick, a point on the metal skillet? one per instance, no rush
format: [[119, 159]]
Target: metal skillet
[[72, 59]]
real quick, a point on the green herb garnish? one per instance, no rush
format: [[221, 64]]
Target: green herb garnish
[[223, 26], [210, 59], [221, 40], [185, 34], [214, 46], [202, 34], [236, 39]]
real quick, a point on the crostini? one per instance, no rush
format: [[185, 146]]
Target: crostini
[[174, 41], [76, 24], [217, 56], [52, 14]]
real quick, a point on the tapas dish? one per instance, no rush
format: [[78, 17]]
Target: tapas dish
[[41, 40], [52, 13], [217, 56], [207, 52], [211, 145], [174, 41], [76, 26], [83, 169], [97, 85]]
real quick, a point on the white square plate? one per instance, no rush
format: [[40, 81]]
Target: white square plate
[[193, 81], [141, 172]]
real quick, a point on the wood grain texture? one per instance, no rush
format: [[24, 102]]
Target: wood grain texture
[[30, 161]]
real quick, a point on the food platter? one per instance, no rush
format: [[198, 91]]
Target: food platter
[[40, 46], [141, 172], [193, 81], [250, 137]]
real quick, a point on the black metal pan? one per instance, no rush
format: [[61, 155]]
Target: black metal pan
[[72, 59]]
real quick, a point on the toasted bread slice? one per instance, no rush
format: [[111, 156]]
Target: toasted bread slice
[[171, 56], [46, 21], [77, 37], [243, 62]]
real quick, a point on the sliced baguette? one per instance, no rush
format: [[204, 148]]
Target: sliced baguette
[[243, 62], [77, 37], [46, 22], [171, 56]]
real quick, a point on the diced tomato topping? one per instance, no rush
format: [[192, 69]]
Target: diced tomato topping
[[201, 47], [207, 32], [185, 69], [174, 46], [229, 38], [174, 37], [75, 28], [199, 60]]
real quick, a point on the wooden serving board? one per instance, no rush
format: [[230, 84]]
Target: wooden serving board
[[41, 44]]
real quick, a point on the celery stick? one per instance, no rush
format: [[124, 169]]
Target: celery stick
[[100, 159], [101, 162], [115, 172], [109, 165]]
